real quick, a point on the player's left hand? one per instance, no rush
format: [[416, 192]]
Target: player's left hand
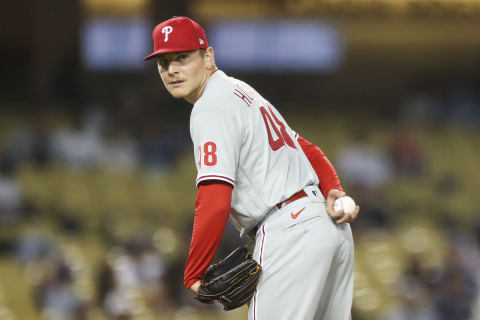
[[231, 281], [340, 216]]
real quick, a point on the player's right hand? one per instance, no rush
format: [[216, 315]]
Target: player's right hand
[[339, 216]]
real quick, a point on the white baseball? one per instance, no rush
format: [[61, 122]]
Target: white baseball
[[346, 203]]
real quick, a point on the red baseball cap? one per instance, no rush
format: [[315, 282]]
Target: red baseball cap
[[176, 35]]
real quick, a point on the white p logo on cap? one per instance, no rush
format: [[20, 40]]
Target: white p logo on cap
[[167, 30]]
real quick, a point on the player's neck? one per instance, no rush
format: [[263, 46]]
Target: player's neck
[[197, 94]]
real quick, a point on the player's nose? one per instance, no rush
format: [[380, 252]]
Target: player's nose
[[172, 68]]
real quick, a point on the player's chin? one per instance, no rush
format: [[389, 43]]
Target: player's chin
[[178, 93]]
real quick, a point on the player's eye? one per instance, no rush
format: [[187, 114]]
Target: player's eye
[[181, 57], [163, 63]]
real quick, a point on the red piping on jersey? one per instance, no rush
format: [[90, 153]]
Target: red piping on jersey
[[256, 290], [213, 177], [255, 305], [263, 241]]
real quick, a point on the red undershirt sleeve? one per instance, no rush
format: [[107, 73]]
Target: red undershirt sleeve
[[211, 213], [324, 169]]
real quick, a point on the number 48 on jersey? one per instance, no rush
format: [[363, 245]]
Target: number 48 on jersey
[[282, 135], [208, 151]]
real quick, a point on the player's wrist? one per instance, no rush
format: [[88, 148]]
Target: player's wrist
[[195, 287], [336, 193]]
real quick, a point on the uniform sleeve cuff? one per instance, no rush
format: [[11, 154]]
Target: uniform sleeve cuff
[[215, 177]]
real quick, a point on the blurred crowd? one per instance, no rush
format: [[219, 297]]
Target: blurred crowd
[[135, 276], [450, 288]]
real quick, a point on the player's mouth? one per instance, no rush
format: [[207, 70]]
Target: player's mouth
[[176, 83]]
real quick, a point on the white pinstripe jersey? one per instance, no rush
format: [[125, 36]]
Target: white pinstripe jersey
[[240, 138]]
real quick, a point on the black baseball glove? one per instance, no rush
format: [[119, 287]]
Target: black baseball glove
[[231, 281]]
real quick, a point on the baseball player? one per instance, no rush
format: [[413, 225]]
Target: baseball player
[[272, 184]]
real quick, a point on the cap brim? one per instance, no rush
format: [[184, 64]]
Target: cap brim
[[166, 50]]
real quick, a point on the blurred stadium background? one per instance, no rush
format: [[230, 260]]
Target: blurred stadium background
[[97, 176]]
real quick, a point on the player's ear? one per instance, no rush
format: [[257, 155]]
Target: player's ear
[[209, 58]]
